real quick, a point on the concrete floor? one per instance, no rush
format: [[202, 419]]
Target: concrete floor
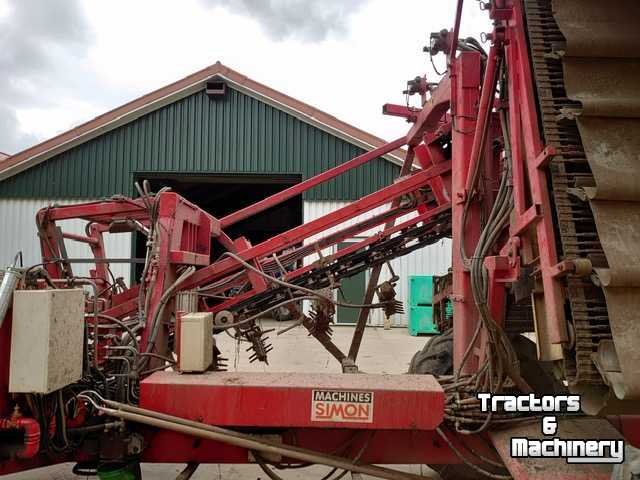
[[382, 351]]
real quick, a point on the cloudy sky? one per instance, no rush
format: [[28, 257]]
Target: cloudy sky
[[63, 62]]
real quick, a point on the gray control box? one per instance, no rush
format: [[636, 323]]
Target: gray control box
[[47, 337]]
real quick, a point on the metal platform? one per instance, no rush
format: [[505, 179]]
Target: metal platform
[[549, 468], [361, 401]]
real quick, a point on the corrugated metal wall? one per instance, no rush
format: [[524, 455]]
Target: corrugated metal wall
[[432, 260], [19, 233], [237, 134]]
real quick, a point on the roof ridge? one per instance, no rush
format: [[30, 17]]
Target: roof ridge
[[72, 137]]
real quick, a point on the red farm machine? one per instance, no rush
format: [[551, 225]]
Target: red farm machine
[[525, 155]]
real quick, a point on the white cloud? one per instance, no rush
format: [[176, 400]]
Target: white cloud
[[131, 48]]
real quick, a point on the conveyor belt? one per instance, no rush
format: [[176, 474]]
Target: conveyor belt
[[584, 56], [386, 249]]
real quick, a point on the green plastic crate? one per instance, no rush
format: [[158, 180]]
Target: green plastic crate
[[420, 290], [421, 321]]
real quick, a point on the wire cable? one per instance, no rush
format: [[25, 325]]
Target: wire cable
[[468, 463], [302, 289]]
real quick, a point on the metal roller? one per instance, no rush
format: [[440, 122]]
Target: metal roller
[[9, 280]]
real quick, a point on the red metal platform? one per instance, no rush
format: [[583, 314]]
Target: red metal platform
[[393, 402]]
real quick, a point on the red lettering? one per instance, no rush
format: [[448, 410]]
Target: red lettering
[[337, 411], [350, 410]]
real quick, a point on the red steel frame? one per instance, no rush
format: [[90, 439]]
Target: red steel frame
[[459, 109]]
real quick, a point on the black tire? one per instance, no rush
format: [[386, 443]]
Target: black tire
[[436, 358]]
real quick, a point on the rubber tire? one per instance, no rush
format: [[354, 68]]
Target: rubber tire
[[436, 358]]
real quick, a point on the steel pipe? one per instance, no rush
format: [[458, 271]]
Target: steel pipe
[[209, 432], [31, 440], [374, 276], [9, 282]]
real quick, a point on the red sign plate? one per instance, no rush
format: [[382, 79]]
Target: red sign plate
[[341, 406]]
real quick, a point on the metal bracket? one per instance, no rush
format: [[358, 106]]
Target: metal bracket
[[545, 156]]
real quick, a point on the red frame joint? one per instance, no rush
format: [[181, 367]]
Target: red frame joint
[[394, 110], [545, 156]]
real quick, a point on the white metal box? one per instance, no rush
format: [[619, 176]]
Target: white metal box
[[47, 337], [196, 342]]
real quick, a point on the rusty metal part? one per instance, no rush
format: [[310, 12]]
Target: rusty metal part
[[323, 338], [381, 251], [387, 293], [611, 147], [259, 344], [519, 317], [188, 471], [374, 275], [219, 363], [187, 301], [624, 305], [375, 254], [569, 171], [582, 267], [544, 468], [321, 319], [602, 72], [442, 291], [619, 227], [598, 29]]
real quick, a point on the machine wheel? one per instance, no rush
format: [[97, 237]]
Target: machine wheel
[[436, 358]]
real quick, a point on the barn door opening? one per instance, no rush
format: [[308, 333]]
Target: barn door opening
[[221, 195]]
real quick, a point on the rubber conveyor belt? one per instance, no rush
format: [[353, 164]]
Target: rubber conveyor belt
[[601, 64], [584, 55]]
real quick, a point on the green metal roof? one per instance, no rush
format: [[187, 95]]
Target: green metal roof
[[237, 134]]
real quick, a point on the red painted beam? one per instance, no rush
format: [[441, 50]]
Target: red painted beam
[[403, 111], [340, 253], [432, 112], [298, 234], [456, 32], [101, 210], [373, 238], [301, 187], [486, 104], [301, 400]]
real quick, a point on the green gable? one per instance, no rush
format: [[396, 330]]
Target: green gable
[[235, 134]]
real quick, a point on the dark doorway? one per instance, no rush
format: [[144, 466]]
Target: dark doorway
[[221, 195], [351, 291]]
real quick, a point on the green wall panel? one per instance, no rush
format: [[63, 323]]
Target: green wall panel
[[237, 134]]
